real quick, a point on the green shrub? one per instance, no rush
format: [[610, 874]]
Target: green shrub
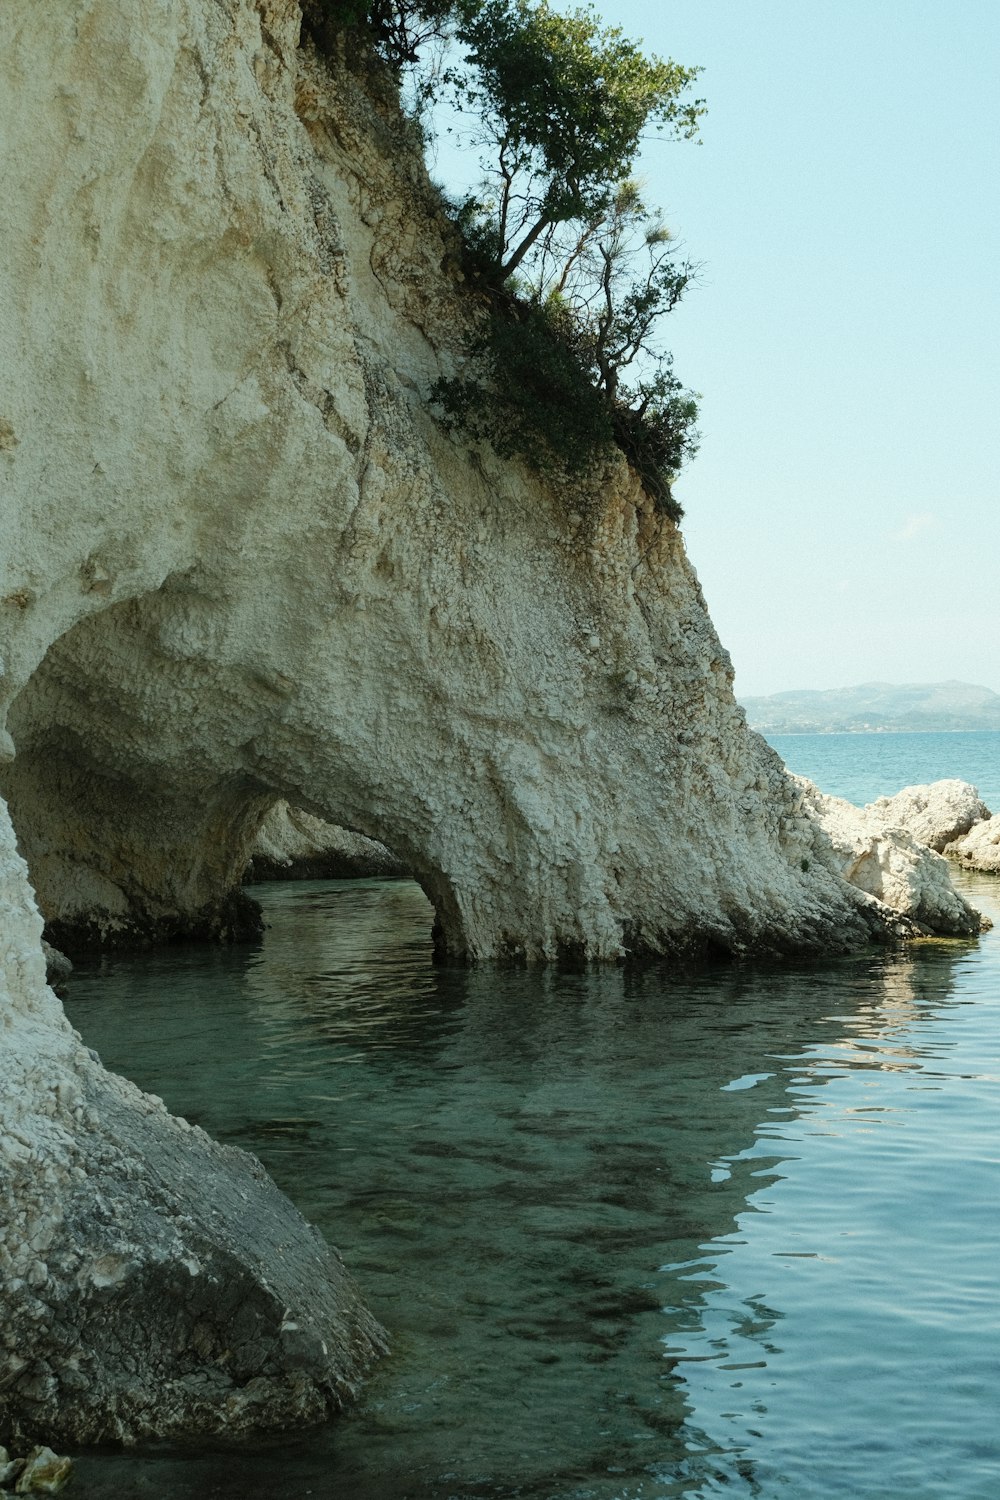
[[396, 29], [576, 269], [530, 396]]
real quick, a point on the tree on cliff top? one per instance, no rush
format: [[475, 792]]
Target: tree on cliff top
[[562, 104], [576, 270]]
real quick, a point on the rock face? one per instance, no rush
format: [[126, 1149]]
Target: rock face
[[152, 1281], [291, 845], [979, 849], [239, 562], [242, 562], [935, 815], [886, 860]]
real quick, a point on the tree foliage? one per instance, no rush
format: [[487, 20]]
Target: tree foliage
[[577, 272], [396, 29], [529, 394], [618, 275], [562, 105]]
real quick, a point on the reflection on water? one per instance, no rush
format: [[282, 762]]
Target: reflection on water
[[635, 1233]]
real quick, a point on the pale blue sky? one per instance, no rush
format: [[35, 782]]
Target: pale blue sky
[[843, 511], [845, 207]]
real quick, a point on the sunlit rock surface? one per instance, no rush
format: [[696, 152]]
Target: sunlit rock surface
[[240, 562], [935, 814], [949, 816], [979, 849], [885, 861]]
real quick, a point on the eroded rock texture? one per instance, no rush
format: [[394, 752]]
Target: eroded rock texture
[[951, 817], [873, 849], [293, 845], [151, 1280], [979, 849], [243, 562], [239, 562], [936, 814]]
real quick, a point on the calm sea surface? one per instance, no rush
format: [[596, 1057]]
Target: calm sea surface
[[729, 1231], [862, 767]]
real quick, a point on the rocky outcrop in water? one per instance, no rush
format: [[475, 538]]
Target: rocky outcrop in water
[[880, 856], [948, 816], [936, 815], [239, 561], [39, 1472], [979, 849]]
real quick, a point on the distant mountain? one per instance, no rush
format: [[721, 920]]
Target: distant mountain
[[875, 706]]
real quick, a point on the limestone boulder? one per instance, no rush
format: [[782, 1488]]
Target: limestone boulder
[[936, 814], [948, 816], [293, 845], [152, 1281], [885, 862], [979, 849]]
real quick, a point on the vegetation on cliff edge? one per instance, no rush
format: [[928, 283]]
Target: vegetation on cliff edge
[[574, 269]]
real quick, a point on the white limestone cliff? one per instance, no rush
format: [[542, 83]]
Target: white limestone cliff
[[239, 562], [242, 562]]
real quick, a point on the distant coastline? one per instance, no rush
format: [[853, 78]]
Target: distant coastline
[[877, 729], [878, 708]]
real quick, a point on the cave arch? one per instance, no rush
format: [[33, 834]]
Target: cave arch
[[145, 770]]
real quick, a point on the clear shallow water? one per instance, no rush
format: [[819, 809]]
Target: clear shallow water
[[727, 1232]]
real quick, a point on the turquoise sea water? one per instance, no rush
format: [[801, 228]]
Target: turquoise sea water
[[727, 1231], [862, 767]]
